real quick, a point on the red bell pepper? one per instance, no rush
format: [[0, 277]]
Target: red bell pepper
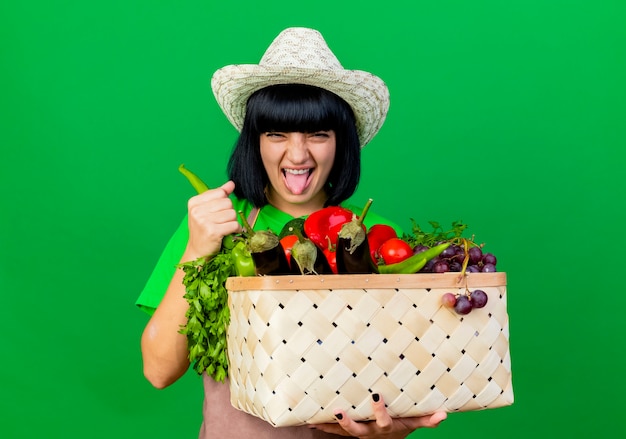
[[323, 226]]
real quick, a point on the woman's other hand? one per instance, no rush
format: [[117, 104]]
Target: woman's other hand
[[211, 217], [384, 426]]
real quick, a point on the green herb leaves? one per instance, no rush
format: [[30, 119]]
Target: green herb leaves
[[438, 234], [208, 314]]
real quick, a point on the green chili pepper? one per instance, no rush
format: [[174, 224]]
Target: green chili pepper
[[229, 241], [244, 264], [195, 181], [414, 263]]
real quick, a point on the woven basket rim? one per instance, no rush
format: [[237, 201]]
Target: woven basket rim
[[365, 281]]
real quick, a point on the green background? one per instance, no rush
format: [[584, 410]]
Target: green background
[[507, 115]]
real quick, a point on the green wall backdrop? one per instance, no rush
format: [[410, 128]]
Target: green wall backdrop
[[508, 115]]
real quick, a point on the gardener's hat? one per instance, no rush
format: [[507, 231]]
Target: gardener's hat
[[301, 56]]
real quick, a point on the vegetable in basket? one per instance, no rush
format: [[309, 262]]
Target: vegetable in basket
[[242, 259], [291, 226], [323, 226], [353, 252], [287, 241], [376, 236], [306, 257], [331, 257], [414, 263], [394, 250], [266, 250]]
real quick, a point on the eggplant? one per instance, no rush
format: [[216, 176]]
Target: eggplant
[[271, 261], [265, 249], [307, 258], [353, 250], [354, 259]]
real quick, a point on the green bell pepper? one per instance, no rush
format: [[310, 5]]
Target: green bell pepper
[[244, 264]]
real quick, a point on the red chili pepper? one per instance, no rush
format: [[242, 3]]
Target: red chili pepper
[[331, 257], [324, 225]]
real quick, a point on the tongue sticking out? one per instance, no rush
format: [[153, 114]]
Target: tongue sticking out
[[296, 183]]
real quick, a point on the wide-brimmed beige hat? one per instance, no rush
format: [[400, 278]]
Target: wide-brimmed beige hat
[[301, 56]]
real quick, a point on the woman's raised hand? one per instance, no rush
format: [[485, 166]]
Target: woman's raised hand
[[211, 216]]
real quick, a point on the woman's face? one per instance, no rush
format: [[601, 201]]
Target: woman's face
[[298, 165]]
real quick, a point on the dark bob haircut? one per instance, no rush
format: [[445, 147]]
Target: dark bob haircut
[[295, 108]]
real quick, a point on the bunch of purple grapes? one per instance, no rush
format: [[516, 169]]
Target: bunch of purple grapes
[[451, 260], [464, 303]]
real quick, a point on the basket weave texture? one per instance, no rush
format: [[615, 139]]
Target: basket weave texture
[[301, 346]]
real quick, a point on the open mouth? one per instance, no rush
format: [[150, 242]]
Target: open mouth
[[297, 180]]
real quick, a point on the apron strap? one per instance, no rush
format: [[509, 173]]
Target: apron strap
[[253, 215]]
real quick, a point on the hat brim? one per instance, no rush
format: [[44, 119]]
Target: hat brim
[[365, 93]]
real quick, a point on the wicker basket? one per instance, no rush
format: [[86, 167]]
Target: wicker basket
[[301, 346]]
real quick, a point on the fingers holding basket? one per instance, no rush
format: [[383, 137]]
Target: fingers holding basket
[[383, 419], [384, 426], [428, 421], [399, 427]]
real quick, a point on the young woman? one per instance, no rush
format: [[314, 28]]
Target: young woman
[[303, 120]]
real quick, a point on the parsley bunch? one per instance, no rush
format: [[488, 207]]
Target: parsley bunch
[[208, 314], [436, 236]]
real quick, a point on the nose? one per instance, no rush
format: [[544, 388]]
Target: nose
[[297, 149]]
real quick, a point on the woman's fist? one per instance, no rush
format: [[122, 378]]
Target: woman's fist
[[211, 216]]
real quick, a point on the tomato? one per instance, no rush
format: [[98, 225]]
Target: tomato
[[395, 250], [287, 242], [376, 236]]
